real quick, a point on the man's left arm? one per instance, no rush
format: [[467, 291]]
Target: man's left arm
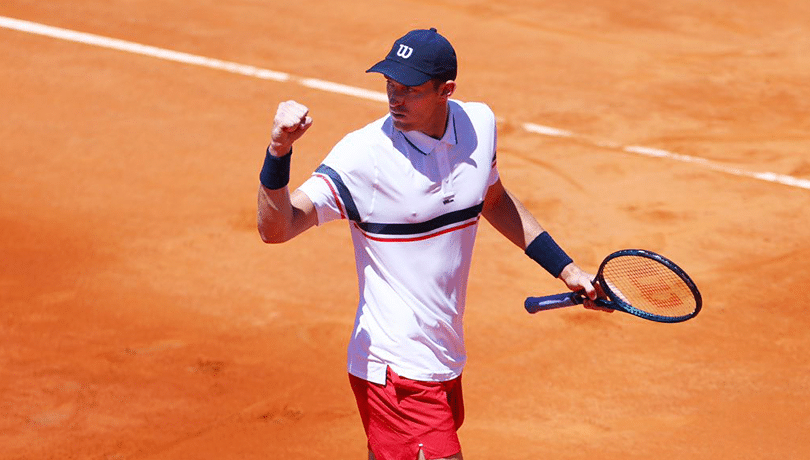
[[511, 218]]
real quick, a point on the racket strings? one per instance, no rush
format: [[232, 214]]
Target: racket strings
[[650, 286]]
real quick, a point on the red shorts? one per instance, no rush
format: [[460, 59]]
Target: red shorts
[[404, 416]]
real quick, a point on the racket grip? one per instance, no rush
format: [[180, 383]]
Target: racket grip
[[550, 302]]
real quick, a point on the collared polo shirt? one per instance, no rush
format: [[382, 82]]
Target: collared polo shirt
[[413, 204]]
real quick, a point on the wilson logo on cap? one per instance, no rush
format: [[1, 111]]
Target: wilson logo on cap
[[404, 51]]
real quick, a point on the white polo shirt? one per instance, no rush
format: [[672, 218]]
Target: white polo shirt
[[413, 204]]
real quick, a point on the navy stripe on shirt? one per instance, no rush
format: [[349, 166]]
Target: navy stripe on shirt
[[416, 228], [345, 194], [444, 220]]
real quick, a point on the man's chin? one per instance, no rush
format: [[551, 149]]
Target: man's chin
[[400, 124]]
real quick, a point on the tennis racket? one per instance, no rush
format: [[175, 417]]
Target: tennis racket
[[638, 282]]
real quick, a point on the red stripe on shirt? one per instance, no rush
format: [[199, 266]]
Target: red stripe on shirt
[[334, 194], [416, 238]]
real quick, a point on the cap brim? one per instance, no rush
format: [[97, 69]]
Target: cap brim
[[400, 73]]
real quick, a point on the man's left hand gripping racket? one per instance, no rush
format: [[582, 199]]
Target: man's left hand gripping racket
[[638, 282]]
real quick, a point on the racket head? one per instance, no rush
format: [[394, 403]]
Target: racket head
[[649, 285]]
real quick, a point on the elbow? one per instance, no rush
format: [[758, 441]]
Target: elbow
[[272, 237], [273, 234], [269, 239], [271, 231]]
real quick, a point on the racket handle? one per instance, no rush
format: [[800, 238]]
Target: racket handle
[[550, 302]]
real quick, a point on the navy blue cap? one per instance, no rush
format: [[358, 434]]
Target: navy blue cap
[[420, 55]]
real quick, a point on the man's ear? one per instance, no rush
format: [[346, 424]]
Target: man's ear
[[449, 88]]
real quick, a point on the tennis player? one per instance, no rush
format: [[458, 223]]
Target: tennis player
[[412, 186]]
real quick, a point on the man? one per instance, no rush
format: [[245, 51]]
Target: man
[[413, 186]]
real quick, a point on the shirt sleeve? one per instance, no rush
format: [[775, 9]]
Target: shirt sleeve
[[493, 173], [320, 190]]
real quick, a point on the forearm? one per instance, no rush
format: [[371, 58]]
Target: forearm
[[523, 230], [282, 215], [510, 217], [275, 214]]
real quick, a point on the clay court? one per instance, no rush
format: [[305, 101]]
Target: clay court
[[143, 318]]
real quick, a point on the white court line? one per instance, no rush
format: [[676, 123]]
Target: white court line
[[265, 74], [546, 130], [137, 48], [343, 89], [766, 176]]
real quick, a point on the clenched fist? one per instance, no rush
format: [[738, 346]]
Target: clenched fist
[[292, 120]]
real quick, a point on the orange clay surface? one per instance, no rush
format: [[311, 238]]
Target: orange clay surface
[[141, 317]]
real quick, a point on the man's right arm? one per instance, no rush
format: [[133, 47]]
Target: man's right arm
[[281, 216]]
